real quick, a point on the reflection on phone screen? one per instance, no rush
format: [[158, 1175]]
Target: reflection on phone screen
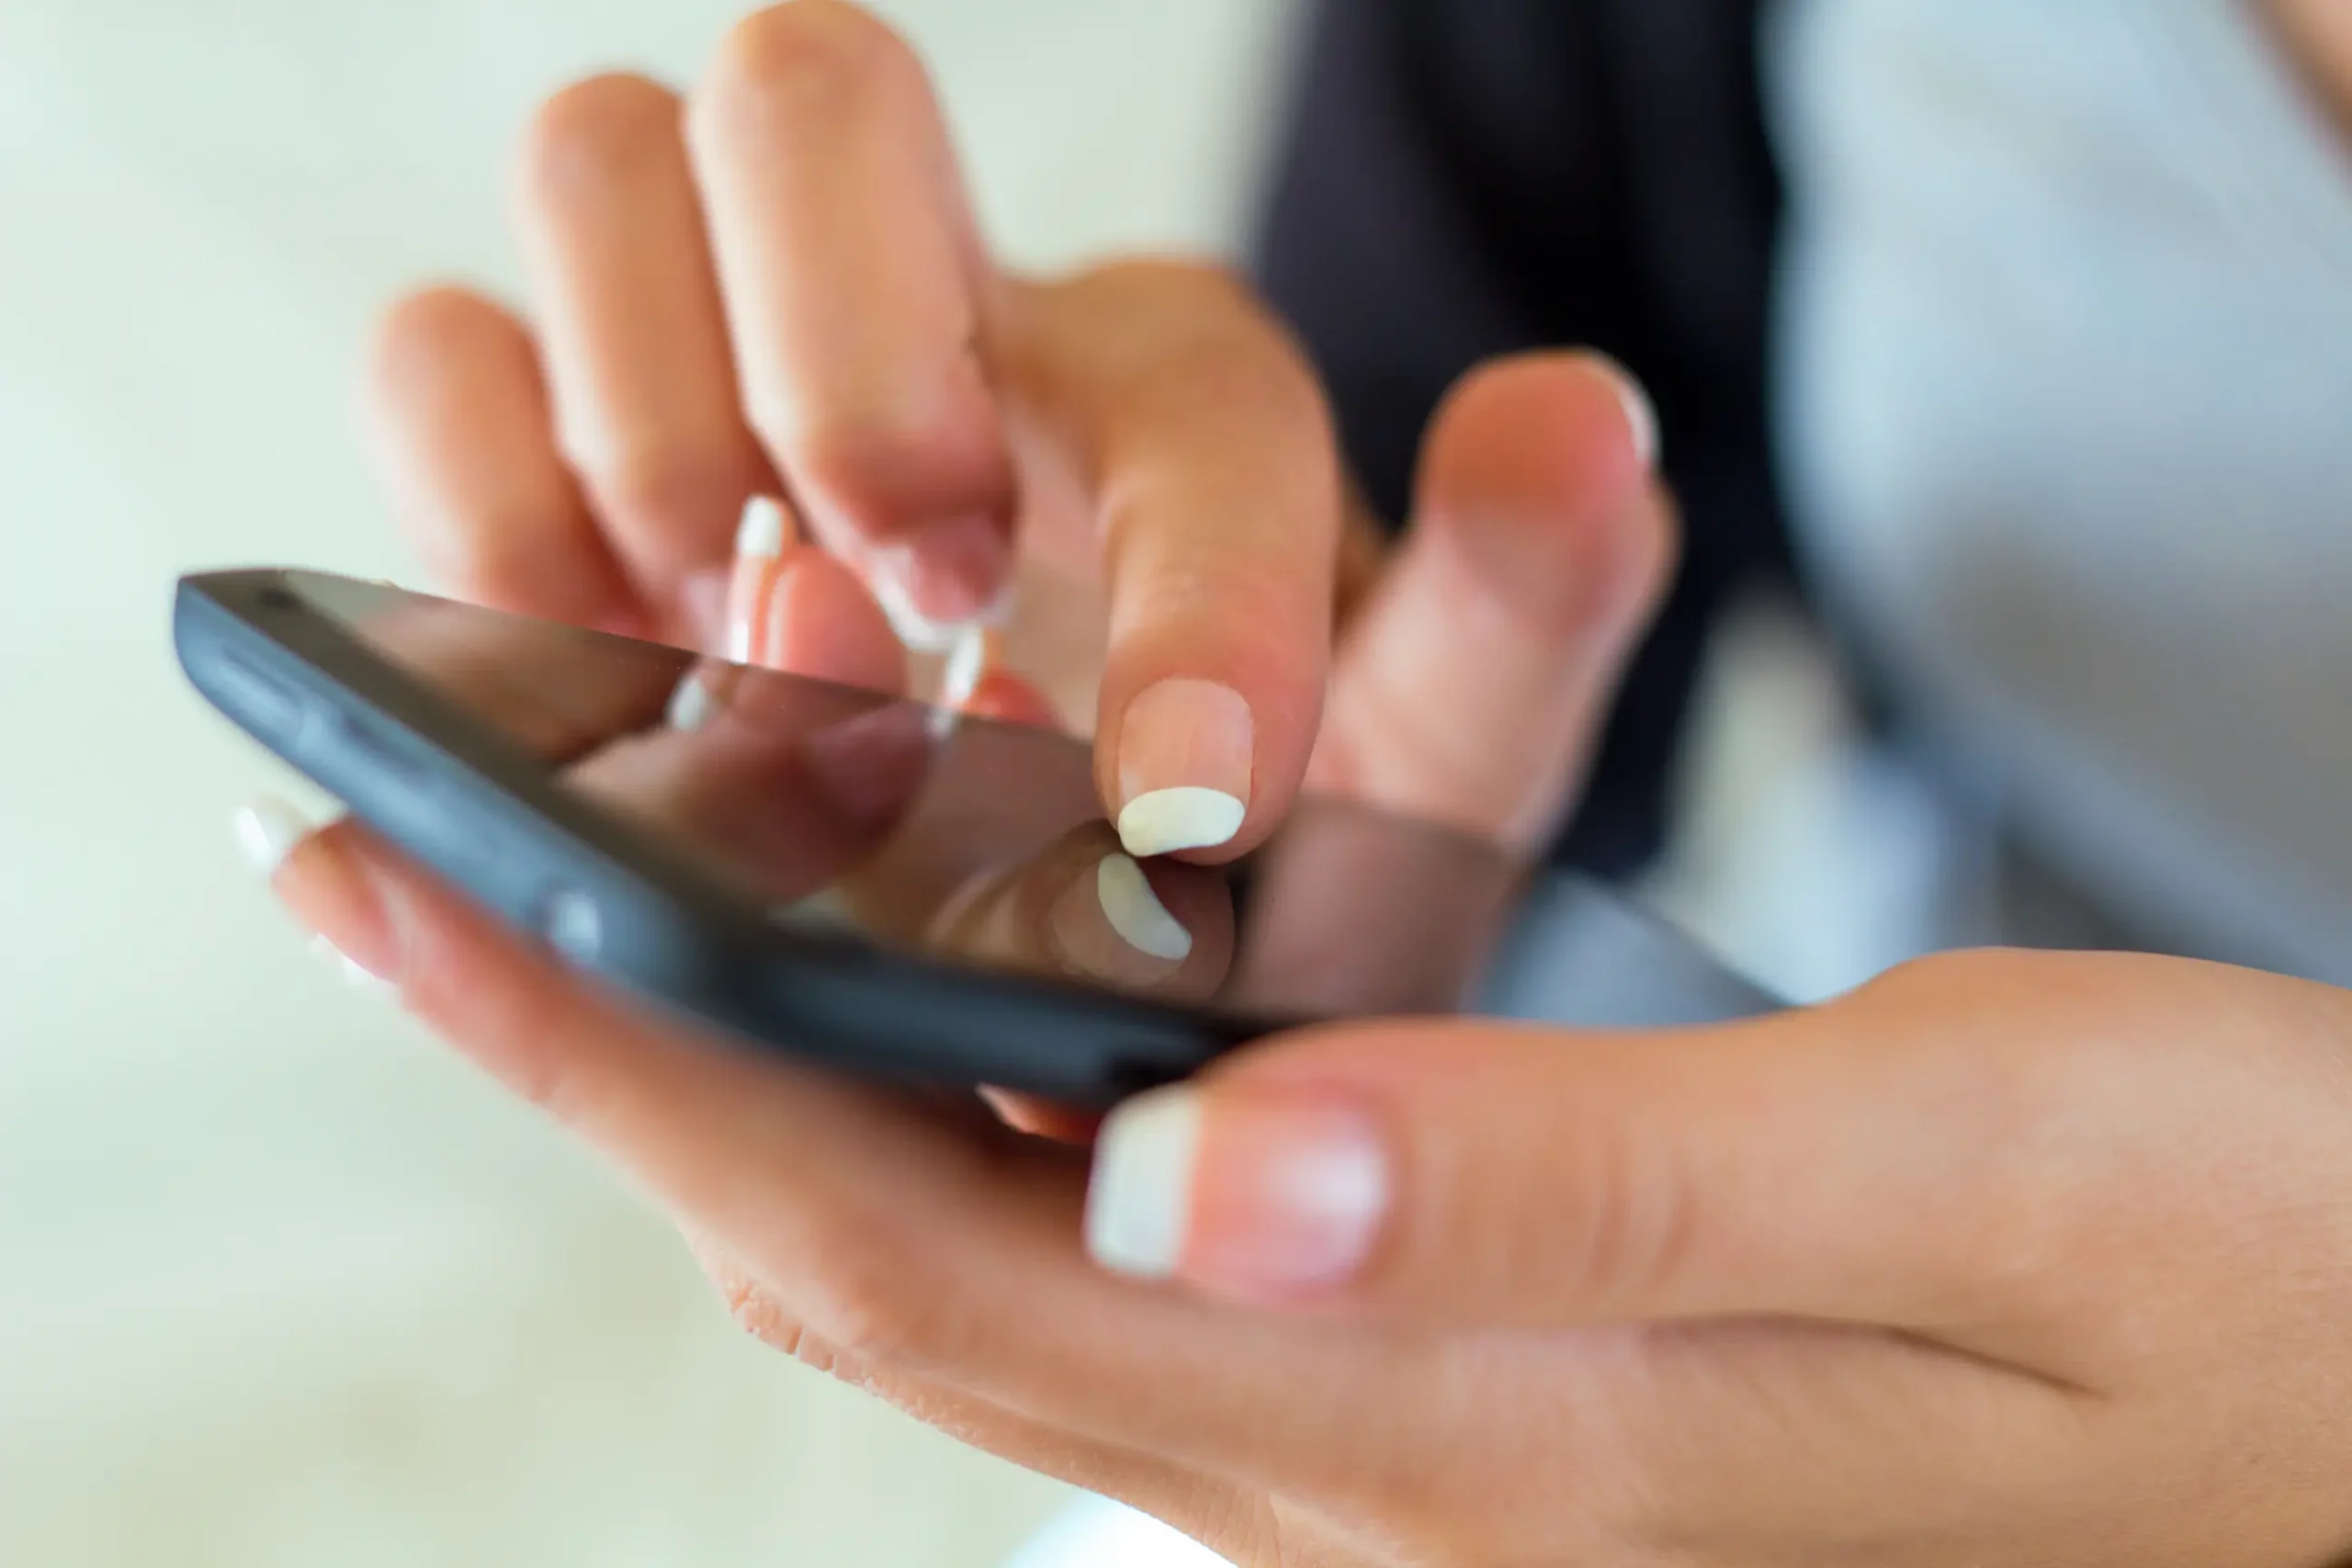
[[979, 843]]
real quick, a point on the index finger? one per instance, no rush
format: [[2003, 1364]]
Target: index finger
[[1215, 467]]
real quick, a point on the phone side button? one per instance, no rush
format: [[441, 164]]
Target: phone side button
[[263, 704]]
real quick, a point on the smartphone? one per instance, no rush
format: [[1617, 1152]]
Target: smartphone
[[855, 880]]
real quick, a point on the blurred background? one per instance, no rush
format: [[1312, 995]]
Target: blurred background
[[279, 1282]]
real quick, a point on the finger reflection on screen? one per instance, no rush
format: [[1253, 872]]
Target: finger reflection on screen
[[558, 693], [782, 787], [1083, 909], [1353, 914], [979, 843]]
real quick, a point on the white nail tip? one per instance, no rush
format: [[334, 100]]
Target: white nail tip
[[761, 534], [690, 705], [918, 631], [356, 975], [268, 830], [1136, 912], [1641, 413], [1139, 1204], [966, 666], [1168, 820]]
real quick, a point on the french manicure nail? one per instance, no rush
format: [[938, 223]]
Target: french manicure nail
[[268, 830], [760, 535], [1136, 912], [691, 706], [967, 665], [975, 651], [1641, 413], [938, 582], [1110, 926], [760, 540], [1139, 1199], [1266, 1200], [1185, 761], [356, 975]]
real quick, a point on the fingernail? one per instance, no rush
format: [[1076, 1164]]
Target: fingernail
[[706, 604], [1136, 912], [976, 650], [268, 829], [1110, 926], [1139, 1199], [936, 583], [691, 706], [1641, 413], [760, 539], [1262, 1200], [356, 975], [1185, 758], [765, 527]]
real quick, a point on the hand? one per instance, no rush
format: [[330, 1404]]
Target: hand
[[2006, 1258], [776, 289]]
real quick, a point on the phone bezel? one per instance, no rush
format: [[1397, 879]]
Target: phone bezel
[[462, 800]]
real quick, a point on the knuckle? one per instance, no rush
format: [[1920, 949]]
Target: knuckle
[[1641, 1216], [595, 135], [802, 62], [1210, 329]]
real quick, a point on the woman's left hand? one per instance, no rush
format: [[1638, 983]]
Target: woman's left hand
[[2005, 1259]]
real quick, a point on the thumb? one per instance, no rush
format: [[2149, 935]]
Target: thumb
[[1841, 1165], [1470, 688]]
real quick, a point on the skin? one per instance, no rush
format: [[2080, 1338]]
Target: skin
[[2318, 35], [2005, 1259]]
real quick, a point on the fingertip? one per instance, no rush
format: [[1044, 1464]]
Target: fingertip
[[269, 829], [1187, 765], [323, 880], [820, 622], [1538, 469], [1633, 399]]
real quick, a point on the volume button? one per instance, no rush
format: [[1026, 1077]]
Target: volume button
[[259, 701]]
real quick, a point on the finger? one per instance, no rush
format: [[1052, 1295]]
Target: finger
[[910, 1239], [1330, 937], [784, 786], [1085, 910], [792, 607], [559, 694], [853, 276], [1212, 459], [1472, 688], [975, 683], [463, 436], [642, 374], [1857, 1164]]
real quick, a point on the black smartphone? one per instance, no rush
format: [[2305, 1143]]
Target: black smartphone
[[860, 881]]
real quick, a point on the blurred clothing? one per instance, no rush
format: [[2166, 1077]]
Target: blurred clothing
[[1467, 178], [2067, 356], [2047, 351]]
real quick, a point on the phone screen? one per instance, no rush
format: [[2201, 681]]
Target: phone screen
[[982, 844]]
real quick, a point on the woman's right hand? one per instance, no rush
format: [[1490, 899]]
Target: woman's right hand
[[774, 286]]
